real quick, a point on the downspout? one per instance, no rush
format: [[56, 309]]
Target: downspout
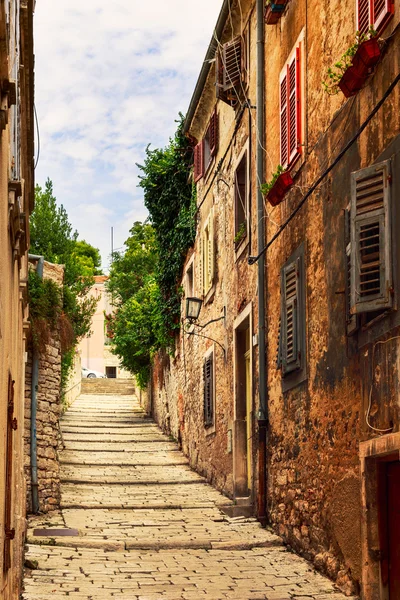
[[34, 390], [262, 365]]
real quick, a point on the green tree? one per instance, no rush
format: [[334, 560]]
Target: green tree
[[130, 268], [53, 237], [88, 258]]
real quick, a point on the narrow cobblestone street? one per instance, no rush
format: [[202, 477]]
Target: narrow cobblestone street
[[148, 526]]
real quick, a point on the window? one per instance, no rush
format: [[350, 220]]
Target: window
[[189, 281], [207, 148], [207, 254], [208, 396], [290, 109], [241, 200], [292, 349], [232, 70], [111, 372], [370, 250], [375, 13]]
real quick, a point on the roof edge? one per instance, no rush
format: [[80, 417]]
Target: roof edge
[[198, 90]]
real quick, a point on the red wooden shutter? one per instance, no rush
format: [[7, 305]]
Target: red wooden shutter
[[363, 15], [290, 94], [284, 122], [214, 133], [292, 110], [199, 161], [382, 12]]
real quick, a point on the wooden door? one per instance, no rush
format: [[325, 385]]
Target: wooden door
[[393, 507], [248, 410]]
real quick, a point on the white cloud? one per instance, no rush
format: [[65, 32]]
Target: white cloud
[[111, 78]]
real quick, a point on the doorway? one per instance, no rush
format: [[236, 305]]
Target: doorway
[[243, 417], [111, 372], [393, 528]]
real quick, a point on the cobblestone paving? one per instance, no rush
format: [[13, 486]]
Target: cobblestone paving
[[148, 527]]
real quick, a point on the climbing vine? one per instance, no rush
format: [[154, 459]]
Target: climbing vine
[[170, 200], [145, 280]]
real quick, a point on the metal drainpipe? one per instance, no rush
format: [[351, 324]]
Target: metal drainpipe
[[262, 365], [34, 390]]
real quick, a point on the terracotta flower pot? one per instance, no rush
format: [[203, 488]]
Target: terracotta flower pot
[[279, 189], [366, 57], [273, 12], [351, 82]]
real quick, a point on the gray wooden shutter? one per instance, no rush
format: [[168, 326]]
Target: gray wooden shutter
[[371, 278], [208, 391], [291, 328], [351, 320]]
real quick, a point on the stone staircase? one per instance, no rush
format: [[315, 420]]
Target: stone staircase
[[120, 387]]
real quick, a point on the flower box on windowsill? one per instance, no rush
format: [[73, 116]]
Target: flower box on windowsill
[[273, 11], [351, 82], [281, 186], [367, 55]]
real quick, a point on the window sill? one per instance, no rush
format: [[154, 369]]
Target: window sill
[[209, 430], [210, 295], [241, 247]]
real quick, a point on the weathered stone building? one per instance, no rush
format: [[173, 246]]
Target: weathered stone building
[[329, 384], [16, 203]]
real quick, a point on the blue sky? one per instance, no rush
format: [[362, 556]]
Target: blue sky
[[111, 78]]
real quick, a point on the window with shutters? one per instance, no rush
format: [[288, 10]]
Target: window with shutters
[[232, 70], [370, 249], [209, 389], [290, 99], [9, 532], [205, 151], [207, 254], [373, 13], [292, 330], [241, 199]]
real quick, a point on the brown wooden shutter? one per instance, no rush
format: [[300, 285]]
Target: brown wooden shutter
[[231, 70], [291, 330], [208, 376], [214, 133], [221, 94], [232, 55], [199, 161], [371, 253], [9, 533]]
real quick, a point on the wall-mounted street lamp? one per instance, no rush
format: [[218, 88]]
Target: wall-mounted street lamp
[[193, 307]]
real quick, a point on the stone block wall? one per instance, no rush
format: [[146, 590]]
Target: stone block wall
[[49, 410]]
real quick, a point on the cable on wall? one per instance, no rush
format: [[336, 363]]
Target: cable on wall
[[253, 259]]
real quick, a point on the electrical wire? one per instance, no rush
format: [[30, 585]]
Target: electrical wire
[[38, 135], [253, 259], [368, 413]]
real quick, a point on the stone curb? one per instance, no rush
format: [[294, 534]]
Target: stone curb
[[149, 506], [126, 483]]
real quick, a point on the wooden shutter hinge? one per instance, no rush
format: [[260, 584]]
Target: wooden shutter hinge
[[14, 424], [10, 534]]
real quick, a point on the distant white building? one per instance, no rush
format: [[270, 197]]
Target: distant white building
[[95, 349]]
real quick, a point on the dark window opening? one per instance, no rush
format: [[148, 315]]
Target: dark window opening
[[111, 372]]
